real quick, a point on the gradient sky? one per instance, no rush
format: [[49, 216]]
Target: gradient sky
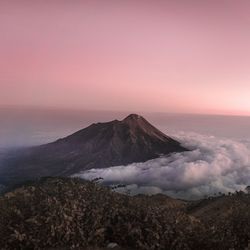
[[167, 56]]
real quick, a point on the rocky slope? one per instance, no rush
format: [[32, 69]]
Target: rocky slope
[[97, 146], [62, 213]]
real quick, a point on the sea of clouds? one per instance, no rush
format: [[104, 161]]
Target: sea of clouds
[[211, 166]]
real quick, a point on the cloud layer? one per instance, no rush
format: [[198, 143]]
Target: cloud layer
[[213, 165]]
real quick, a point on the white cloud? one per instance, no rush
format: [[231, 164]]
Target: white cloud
[[212, 165]]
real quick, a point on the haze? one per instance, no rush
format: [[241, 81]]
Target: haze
[[167, 56]]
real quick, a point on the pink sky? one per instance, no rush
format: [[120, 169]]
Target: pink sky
[[167, 56]]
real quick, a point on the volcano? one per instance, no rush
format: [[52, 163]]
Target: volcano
[[100, 145]]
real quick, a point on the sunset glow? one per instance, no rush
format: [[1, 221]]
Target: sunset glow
[[186, 57]]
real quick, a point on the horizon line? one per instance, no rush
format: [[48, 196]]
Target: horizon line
[[79, 109]]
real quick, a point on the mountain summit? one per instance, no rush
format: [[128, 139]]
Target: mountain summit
[[137, 123], [100, 145]]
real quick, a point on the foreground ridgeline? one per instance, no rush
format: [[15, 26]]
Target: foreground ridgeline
[[100, 145], [62, 213]]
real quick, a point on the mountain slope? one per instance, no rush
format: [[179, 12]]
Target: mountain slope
[[76, 214], [100, 145], [70, 213]]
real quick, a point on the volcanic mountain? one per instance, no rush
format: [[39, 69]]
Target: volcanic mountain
[[100, 145]]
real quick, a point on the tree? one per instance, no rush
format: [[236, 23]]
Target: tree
[[248, 189]]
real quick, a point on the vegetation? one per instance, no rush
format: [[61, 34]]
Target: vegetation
[[62, 213]]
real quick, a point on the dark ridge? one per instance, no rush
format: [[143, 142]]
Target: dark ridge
[[69, 213]]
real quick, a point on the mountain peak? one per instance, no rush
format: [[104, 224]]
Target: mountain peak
[[133, 117], [134, 120]]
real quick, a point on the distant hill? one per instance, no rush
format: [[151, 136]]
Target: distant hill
[[100, 145], [69, 213]]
